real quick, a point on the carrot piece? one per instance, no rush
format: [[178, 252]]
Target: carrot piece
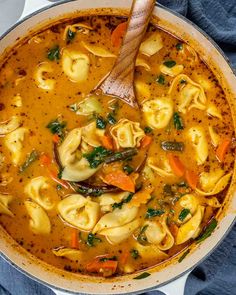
[[45, 160], [118, 34], [140, 197], [222, 149], [146, 141], [55, 138], [121, 180], [124, 256], [192, 178], [74, 239], [97, 265], [173, 229], [107, 142], [176, 165], [53, 175]]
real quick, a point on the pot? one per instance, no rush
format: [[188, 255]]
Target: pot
[[63, 282]]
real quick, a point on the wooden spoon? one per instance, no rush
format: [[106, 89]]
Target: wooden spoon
[[120, 81]]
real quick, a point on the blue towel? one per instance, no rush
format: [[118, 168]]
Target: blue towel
[[217, 274]]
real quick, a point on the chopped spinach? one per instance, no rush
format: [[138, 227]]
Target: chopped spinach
[[125, 201], [179, 46], [182, 81], [101, 123], [92, 240], [54, 53], [183, 214], [59, 174], [208, 231], [183, 256], [70, 35], [128, 169], [161, 79], [57, 127], [59, 187], [147, 130], [154, 212], [178, 122], [111, 119], [169, 63], [134, 253], [172, 146], [33, 156], [97, 156], [142, 276], [141, 236]]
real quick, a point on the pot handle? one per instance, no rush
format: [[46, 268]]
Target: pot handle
[[33, 5]]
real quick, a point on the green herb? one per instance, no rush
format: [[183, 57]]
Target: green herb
[[128, 169], [54, 53], [183, 256], [101, 123], [70, 35], [57, 127], [169, 63], [142, 276], [179, 46], [154, 212], [92, 240], [182, 81], [97, 156], [147, 130], [183, 214], [59, 174], [161, 80], [178, 122], [111, 119], [125, 201], [103, 259], [121, 156], [141, 237], [172, 146], [134, 254], [59, 187], [208, 231], [74, 107], [33, 156]]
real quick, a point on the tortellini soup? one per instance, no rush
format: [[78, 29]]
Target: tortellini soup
[[89, 184]]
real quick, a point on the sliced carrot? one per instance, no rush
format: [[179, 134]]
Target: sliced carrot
[[140, 197], [107, 142], [222, 149], [97, 265], [118, 34], [173, 229], [192, 178], [146, 141], [74, 239], [56, 138], [53, 175], [121, 180], [176, 165], [45, 160]]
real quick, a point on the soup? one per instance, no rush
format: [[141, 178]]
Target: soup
[[91, 185]]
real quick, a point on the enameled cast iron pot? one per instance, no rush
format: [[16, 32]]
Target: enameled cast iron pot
[[170, 279]]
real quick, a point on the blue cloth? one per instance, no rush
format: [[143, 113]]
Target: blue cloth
[[217, 274]]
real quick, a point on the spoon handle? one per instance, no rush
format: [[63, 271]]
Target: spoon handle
[[120, 80]]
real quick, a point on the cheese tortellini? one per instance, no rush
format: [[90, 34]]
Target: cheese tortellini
[[92, 135], [39, 221], [127, 134], [107, 200], [213, 111], [150, 252], [97, 50], [215, 138], [173, 71], [79, 211], [199, 141], [152, 44], [5, 200], [161, 166], [191, 95], [10, 125], [34, 191], [75, 65], [158, 112], [14, 142], [69, 253], [39, 76]]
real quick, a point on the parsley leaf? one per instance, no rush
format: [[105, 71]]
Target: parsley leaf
[[169, 63], [33, 156], [97, 156], [154, 212], [101, 123], [208, 231], [178, 122], [179, 46], [57, 127], [161, 80], [134, 253], [142, 276], [54, 53], [128, 169], [92, 240], [183, 214]]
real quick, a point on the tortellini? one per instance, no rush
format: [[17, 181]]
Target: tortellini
[[79, 211], [173, 71], [75, 65], [150, 252], [75, 167], [39, 76], [69, 253], [158, 112], [14, 142], [4, 203], [142, 89], [141, 62], [81, 28], [191, 94], [199, 141], [107, 200], [118, 225], [215, 138], [97, 50], [152, 44], [127, 134], [161, 166], [39, 221], [92, 135], [158, 233], [213, 182], [88, 106], [190, 202], [34, 190], [213, 111], [10, 125], [191, 228]]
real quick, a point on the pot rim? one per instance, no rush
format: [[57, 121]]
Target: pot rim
[[189, 269]]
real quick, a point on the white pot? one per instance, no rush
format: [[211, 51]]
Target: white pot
[[65, 282]]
